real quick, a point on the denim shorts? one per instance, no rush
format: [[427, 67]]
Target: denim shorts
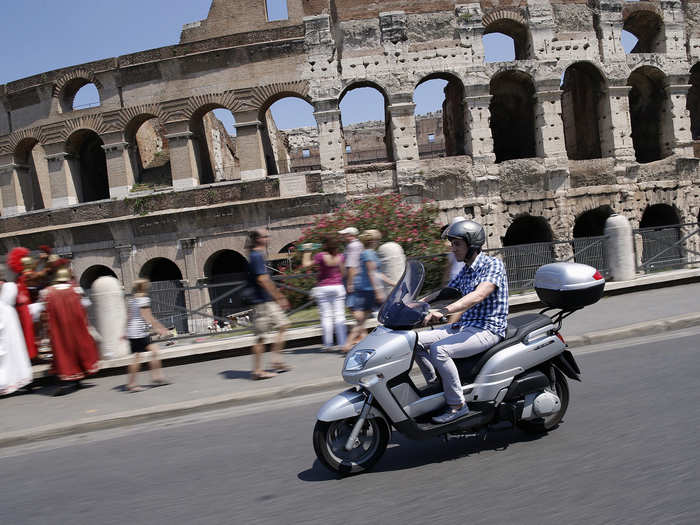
[[363, 300]]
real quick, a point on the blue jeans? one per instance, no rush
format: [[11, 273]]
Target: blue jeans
[[444, 344]]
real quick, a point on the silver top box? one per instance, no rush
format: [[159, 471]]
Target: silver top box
[[562, 276]]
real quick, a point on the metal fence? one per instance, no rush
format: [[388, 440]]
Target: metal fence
[[666, 247]]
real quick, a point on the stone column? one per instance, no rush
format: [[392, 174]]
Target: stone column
[[195, 323], [331, 142], [478, 137], [64, 190], [183, 155], [402, 114], [680, 117], [549, 127], [119, 170], [619, 248], [610, 24], [623, 148], [249, 145], [10, 189], [126, 265]]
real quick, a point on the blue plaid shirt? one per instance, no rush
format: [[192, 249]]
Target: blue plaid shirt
[[491, 313]]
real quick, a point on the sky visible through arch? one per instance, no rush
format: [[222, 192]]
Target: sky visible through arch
[[42, 35]]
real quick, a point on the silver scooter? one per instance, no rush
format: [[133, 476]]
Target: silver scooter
[[521, 380]]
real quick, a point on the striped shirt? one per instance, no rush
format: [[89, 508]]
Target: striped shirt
[[490, 314], [136, 326]]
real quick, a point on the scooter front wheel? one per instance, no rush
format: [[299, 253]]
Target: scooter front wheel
[[330, 438]]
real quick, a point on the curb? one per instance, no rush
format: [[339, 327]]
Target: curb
[[159, 412]]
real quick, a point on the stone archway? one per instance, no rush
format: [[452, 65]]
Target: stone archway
[[652, 128], [513, 115], [89, 276], [167, 292], [88, 165], [661, 234], [589, 227], [226, 271], [527, 245]]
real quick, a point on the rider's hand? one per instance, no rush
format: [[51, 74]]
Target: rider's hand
[[432, 317]]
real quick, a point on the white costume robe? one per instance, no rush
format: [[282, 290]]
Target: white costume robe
[[15, 368]]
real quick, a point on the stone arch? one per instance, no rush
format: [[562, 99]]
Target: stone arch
[[290, 247], [659, 215], [644, 20], [693, 101], [215, 163], [513, 115], [148, 148], [32, 173], [588, 227], [586, 112], [453, 121], [528, 229], [527, 245], [660, 236], [69, 84], [364, 154], [225, 271], [91, 274], [652, 127], [88, 165], [512, 24], [167, 293]]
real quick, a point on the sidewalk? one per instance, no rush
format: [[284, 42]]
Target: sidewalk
[[223, 382]]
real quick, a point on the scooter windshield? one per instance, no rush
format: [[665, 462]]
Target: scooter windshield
[[401, 310]]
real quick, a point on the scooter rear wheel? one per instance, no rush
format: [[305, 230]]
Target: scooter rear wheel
[[544, 425], [330, 438]]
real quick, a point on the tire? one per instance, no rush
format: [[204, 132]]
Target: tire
[[329, 444], [545, 424]]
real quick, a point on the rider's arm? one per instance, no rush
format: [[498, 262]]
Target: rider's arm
[[481, 292]]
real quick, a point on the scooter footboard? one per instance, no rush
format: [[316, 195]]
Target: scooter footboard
[[345, 405]]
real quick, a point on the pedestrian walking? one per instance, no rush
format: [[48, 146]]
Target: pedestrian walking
[[368, 287], [74, 350], [329, 291], [15, 368], [269, 305], [353, 250], [139, 323]]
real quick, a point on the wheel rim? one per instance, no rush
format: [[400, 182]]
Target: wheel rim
[[366, 444], [554, 418]]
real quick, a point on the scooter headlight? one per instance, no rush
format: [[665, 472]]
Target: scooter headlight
[[358, 359]]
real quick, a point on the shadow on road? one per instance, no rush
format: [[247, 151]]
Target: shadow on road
[[235, 374]]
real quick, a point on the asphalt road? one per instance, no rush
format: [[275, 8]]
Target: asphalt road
[[627, 452]]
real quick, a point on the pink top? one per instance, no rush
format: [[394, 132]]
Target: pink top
[[328, 275]]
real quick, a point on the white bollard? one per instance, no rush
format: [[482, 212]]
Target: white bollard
[[110, 316], [393, 260], [620, 248]]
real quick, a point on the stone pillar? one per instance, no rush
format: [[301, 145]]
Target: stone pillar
[[184, 163], [403, 128], [549, 127], [610, 25], [478, 137], [195, 323], [10, 189], [119, 169], [64, 190], [623, 146], [331, 142], [619, 248], [680, 118], [126, 265], [674, 28], [111, 316], [249, 145]]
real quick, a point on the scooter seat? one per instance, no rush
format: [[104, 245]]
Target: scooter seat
[[518, 328]]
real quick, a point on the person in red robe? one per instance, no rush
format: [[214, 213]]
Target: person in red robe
[[75, 353], [16, 260]]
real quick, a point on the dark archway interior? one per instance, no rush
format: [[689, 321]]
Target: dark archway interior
[[225, 271], [659, 215], [167, 295], [29, 180], [92, 183], [161, 269], [580, 100], [513, 116], [693, 101], [649, 30], [591, 223], [93, 273], [515, 30], [225, 262], [647, 100], [527, 229]]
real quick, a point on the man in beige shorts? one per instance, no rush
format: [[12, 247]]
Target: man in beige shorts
[[269, 305]]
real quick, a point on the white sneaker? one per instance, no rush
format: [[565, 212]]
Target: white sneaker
[[450, 414]]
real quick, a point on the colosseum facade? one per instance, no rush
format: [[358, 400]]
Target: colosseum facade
[[536, 148]]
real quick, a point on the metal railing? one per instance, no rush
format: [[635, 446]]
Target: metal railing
[[666, 247]]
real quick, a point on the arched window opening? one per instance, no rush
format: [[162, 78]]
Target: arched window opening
[[652, 128], [693, 101], [527, 245], [88, 165], [216, 145], [79, 93], [661, 234], [86, 97], [588, 246], [439, 114], [167, 293], [33, 174], [513, 116], [149, 153], [585, 113], [499, 46], [290, 136], [93, 273], [648, 28], [366, 125], [226, 271]]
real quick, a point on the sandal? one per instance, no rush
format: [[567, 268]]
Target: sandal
[[280, 368], [255, 376]]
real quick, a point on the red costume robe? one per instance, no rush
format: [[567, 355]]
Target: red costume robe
[[74, 350], [25, 317]]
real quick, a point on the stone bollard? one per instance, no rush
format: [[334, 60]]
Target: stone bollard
[[620, 248], [110, 317], [393, 260]]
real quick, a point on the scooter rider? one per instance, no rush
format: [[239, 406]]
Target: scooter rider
[[484, 285]]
